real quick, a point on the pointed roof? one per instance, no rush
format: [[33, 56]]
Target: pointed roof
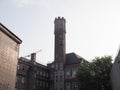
[[72, 58]]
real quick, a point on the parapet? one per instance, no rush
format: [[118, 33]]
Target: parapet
[[60, 24], [60, 19]]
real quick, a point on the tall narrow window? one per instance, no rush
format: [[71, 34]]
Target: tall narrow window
[[56, 78], [40, 83], [61, 66], [56, 66], [73, 72], [18, 67], [46, 74], [46, 84], [67, 86], [43, 83], [37, 72], [61, 79], [23, 80], [40, 73], [37, 82], [60, 42], [67, 73]]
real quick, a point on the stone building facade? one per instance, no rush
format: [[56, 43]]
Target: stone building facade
[[58, 75], [32, 75], [9, 50], [64, 66]]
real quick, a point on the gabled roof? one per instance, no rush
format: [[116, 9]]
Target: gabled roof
[[73, 58]]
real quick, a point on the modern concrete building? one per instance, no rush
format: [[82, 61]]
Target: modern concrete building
[[9, 50]]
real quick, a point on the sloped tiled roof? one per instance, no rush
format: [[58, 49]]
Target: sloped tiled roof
[[73, 58]]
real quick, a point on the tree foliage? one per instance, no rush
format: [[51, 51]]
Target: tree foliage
[[95, 75]]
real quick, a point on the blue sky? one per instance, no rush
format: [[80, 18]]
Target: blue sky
[[93, 26]]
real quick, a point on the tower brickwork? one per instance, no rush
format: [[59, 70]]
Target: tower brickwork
[[60, 51], [60, 42], [58, 75]]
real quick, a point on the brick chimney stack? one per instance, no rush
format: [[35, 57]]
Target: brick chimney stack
[[33, 57]]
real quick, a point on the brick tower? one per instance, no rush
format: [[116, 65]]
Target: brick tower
[[60, 42], [60, 51]]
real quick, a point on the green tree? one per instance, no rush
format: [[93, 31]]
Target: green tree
[[95, 75]]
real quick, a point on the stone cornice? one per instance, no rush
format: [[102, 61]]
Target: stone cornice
[[10, 34]]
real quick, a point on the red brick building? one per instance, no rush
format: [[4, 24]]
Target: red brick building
[[32, 75], [64, 66], [58, 75]]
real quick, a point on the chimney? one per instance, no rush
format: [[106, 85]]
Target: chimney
[[33, 57]]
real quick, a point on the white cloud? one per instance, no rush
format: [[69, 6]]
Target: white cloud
[[22, 3], [43, 3]]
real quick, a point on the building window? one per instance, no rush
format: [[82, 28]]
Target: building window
[[23, 68], [40, 83], [56, 78], [60, 42], [67, 73], [56, 66], [40, 73], [37, 82], [74, 86], [46, 74], [52, 66], [60, 78], [18, 67], [35, 75], [73, 72], [46, 84], [37, 72], [43, 84], [23, 80], [61, 66], [67, 86]]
